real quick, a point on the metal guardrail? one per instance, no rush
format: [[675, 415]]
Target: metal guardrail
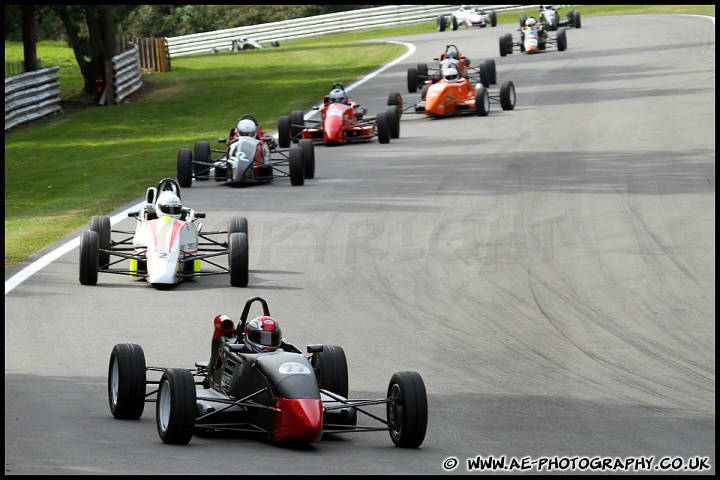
[[354, 20], [31, 95]]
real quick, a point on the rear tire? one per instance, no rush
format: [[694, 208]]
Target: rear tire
[[503, 46], [383, 127], [202, 160], [297, 125], [395, 99], [284, 131], [297, 166], [492, 70], [308, 149], [237, 225], [238, 259], [331, 369], [412, 80], [184, 167], [126, 381], [176, 406], [89, 254], [407, 409], [101, 225], [392, 116]]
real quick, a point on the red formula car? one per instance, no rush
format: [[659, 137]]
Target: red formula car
[[342, 121]]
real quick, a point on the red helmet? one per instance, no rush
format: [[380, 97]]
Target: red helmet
[[262, 334]]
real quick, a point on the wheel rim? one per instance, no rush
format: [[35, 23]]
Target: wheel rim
[[394, 411], [114, 382], [163, 406]]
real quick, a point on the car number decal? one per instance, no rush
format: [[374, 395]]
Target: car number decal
[[290, 368]]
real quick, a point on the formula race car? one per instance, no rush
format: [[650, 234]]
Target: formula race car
[[483, 72], [342, 121], [534, 38], [455, 94], [257, 383], [167, 246], [549, 17], [468, 16], [249, 158]]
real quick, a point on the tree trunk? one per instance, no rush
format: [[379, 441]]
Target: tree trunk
[[29, 33]]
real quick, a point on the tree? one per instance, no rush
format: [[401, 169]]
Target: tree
[[95, 52]]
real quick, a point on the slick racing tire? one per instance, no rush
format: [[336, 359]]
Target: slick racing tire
[[422, 70], [89, 257], [237, 225], [412, 79], [101, 225], [383, 127], [407, 409], [396, 100], [507, 95], [238, 259], [308, 149], [454, 22], [297, 125], [441, 23], [331, 369], [492, 70], [504, 46], [394, 119], [297, 166], [284, 131], [127, 381], [202, 160], [482, 102], [562, 39], [577, 23], [484, 75], [176, 406], [184, 167], [493, 19]]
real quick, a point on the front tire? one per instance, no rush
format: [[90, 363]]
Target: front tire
[[562, 40], [89, 257], [482, 102], [407, 409], [507, 95], [126, 381], [176, 406], [238, 259], [441, 23]]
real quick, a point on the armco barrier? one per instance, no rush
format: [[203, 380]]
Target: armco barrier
[[31, 95], [353, 20]]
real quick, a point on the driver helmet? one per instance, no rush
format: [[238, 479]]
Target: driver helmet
[[262, 334], [168, 205], [246, 128], [337, 95], [451, 75], [530, 22], [452, 55]]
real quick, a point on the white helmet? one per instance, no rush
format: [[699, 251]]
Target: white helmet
[[246, 128], [530, 22], [451, 75], [168, 205], [337, 95]]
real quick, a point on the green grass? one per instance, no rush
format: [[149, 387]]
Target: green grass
[[62, 170]]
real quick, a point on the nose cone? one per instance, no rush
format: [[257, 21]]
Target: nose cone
[[298, 420], [334, 127]]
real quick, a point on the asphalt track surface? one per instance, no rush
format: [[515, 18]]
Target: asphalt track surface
[[549, 271]]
